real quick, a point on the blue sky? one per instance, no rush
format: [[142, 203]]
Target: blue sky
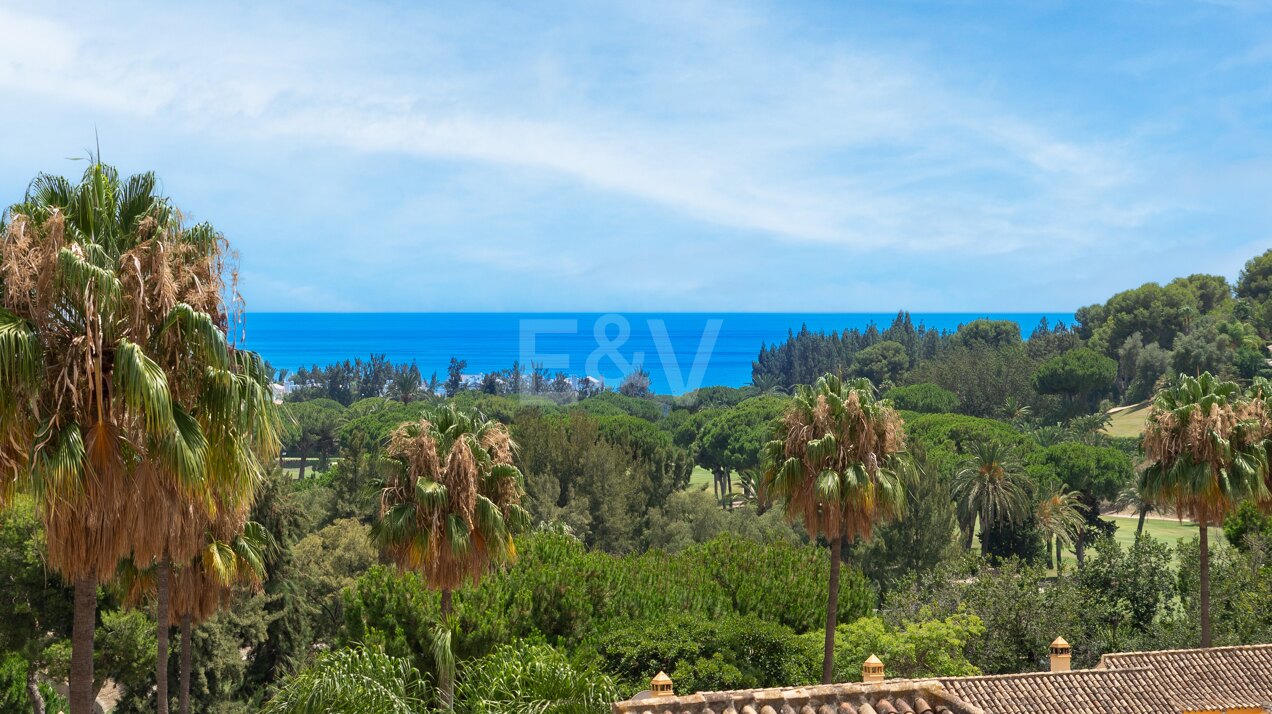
[[839, 156]]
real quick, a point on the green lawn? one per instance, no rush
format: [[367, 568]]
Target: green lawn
[[1167, 531], [699, 478], [1129, 422]]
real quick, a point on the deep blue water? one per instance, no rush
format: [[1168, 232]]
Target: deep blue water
[[602, 345]]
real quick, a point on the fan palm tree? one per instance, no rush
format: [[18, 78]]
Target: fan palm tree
[[449, 507], [1207, 446], [833, 462], [990, 488], [1131, 499], [229, 397], [85, 404], [1059, 515], [205, 586], [232, 555]]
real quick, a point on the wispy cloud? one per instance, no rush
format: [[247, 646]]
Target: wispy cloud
[[748, 121]]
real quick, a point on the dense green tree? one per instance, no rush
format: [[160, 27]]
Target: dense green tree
[[325, 563], [1130, 586], [1197, 352], [992, 334], [576, 477], [706, 654], [1246, 523], [983, 378], [1157, 313], [1255, 282], [882, 363], [921, 538], [912, 650], [1079, 374], [692, 516], [311, 430], [1209, 292], [925, 398], [38, 605], [1095, 473], [731, 440], [455, 377]]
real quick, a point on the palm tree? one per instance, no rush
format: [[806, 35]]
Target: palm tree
[[231, 401], [205, 586], [1207, 448], [233, 554], [833, 463], [990, 488], [1130, 498], [1059, 515], [449, 507], [84, 403], [361, 680]]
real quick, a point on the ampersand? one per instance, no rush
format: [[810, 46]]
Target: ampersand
[[608, 347]]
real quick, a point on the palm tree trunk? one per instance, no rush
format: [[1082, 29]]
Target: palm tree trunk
[[1139, 529], [81, 682], [832, 611], [1050, 547], [1059, 554], [162, 572], [303, 458], [1205, 585], [186, 635], [446, 684], [33, 691], [984, 535]]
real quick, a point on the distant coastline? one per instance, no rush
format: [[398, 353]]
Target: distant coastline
[[602, 345]]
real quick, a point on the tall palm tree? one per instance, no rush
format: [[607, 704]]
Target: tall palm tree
[[991, 488], [84, 403], [206, 585], [1130, 498], [1207, 446], [232, 555], [833, 463], [229, 398], [1059, 515], [449, 507]]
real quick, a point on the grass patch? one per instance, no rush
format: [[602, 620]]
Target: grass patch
[[1166, 530], [1129, 422], [699, 478]]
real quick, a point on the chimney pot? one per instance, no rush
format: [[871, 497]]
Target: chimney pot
[[1060, 655], [872, 670], [660, 685]]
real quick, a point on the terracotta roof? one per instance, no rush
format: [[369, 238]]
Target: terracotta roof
[[1213, 678], [1085, 691], [901, 696], [1167, 682]]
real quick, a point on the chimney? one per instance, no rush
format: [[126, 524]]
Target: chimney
[[1060, 651], [660, 685], [872, 670]]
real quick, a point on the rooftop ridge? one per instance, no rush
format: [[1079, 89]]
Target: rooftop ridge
[[1042, 673], [1185, 650]]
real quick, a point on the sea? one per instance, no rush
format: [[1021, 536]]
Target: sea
[[681, 351]]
